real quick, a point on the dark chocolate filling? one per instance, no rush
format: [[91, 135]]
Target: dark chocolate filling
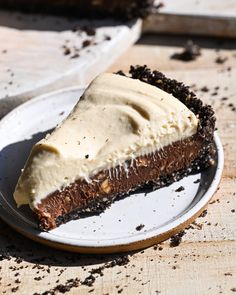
[[150, 171]]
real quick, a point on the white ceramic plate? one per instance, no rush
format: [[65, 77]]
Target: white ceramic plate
[[162, 212]]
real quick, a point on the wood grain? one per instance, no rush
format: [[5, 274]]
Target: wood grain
[[205, 261]]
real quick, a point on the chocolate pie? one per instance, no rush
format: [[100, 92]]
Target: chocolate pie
[[125, 133]]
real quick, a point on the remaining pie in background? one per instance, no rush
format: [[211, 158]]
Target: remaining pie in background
[[123, 9], [124, 133]]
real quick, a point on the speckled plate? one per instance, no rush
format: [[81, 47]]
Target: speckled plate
[[161, 213]]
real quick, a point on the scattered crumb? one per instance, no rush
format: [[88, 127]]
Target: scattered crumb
[[197, 181], [119, 261], [176, 239], [76, 55], [204, 89], [191, 52], [66, 50], [204, 213], [107, 38], [86, 43], [220, 60], [90, 31], [198, 226], [89, 281], [139, 227], [180, 189]]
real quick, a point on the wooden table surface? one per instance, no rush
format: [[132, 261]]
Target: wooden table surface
[[205, 260]]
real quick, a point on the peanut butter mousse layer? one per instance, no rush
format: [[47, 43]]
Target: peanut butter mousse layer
[[122, 135]]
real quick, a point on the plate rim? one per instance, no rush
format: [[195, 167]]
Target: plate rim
[[37, 98], [134, 242]]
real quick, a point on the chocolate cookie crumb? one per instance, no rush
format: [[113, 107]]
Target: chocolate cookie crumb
[[139, 227], [5, 256], [176, 239], [62, 288], [76, 55], [89, 281], [204, 213], [220, 60], [180, 189], [90, 31], [204, 89], [14, 289], [107, 38], [86, 43], [123, 260], [119, 261], [197, 181], [191, 52], [67, 50]]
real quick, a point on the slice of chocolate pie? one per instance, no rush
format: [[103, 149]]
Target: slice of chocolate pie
[[122, 135]]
